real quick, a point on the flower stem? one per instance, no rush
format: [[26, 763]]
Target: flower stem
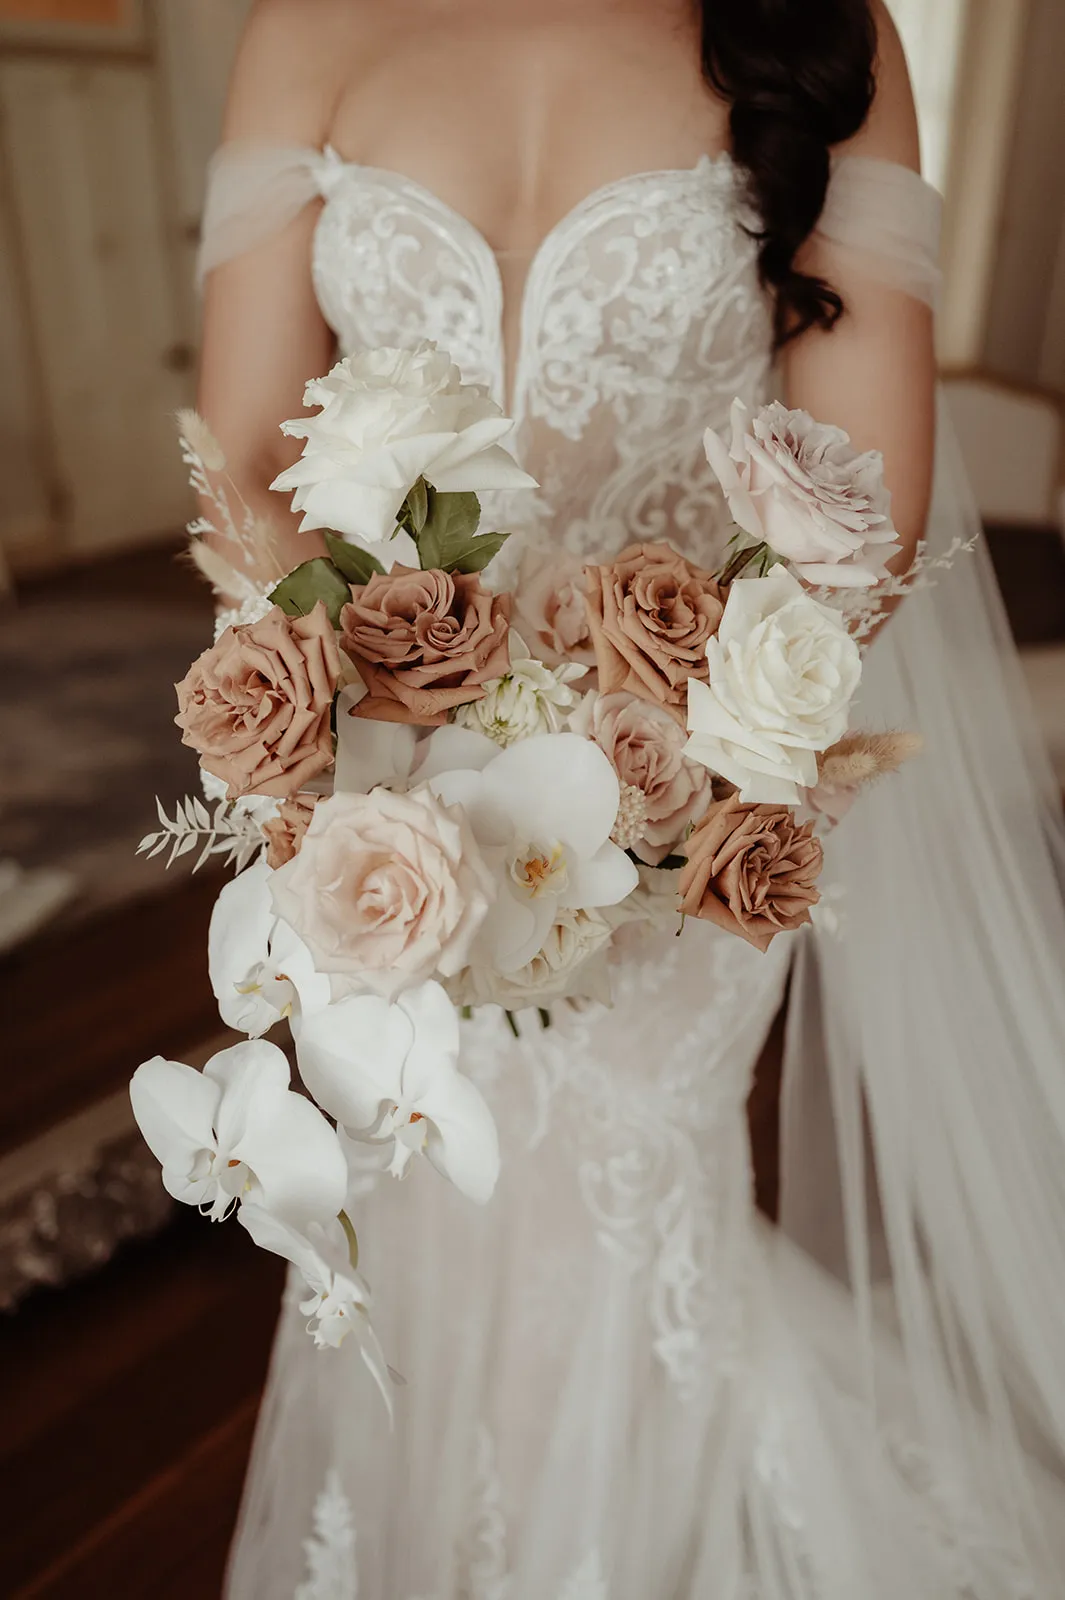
[[741, 561], [352, 1238], [512, 1024]]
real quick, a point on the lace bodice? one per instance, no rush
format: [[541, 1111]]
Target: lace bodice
[[641, 320]]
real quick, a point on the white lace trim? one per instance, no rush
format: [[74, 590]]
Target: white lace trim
[[332, 1572]]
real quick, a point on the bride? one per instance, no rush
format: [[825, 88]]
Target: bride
[[620, 1384]]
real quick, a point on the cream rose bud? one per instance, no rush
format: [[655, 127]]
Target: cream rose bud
[[801, 488], [783, 672], [386, 890], [388, 417], [566, 966]]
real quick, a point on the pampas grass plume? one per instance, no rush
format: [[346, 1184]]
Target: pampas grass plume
[[200, 440]]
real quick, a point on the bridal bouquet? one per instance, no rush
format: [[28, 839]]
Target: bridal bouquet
[[444, 796]]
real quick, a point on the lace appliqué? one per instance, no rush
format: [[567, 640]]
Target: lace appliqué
[[331, 1568], [651, 1123], [642, 320]]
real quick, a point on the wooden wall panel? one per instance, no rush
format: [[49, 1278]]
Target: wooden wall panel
[[1023, 317], [85, 168], [26, 523]]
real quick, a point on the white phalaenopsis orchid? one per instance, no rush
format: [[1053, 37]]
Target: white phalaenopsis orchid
[[389, 1073], [236, 1130], [259, 968], [387, 418], [339, 1304], [370, 752], [542, 812]]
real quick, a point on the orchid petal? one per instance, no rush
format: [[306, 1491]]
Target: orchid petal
[[463, 1142], [238, 942], [174, 1106], [351, 1057], [556, 786], [296, 1157], [600, 880]]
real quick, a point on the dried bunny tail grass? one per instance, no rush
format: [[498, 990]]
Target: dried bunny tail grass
[[195, 432], [861, 757]]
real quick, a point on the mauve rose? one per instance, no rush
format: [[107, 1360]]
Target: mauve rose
[[387, 889], [284, 833], [424, 642], [645, 746], [550, 609], [801, 488], [256, 705], [651, 615], [752, 870]]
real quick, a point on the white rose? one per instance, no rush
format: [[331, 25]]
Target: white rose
[[387, 418], [802, 489], [783, 672], [563, 968], [530, 698]]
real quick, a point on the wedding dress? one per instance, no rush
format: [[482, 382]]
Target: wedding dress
[[619, 1383]]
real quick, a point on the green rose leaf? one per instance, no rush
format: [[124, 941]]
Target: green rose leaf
[[475, 555], [352, 562], [415, 508], [449, 541], [450, 524], [315, 580]]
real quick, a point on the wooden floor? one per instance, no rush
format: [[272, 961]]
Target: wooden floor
[[128, 1403]]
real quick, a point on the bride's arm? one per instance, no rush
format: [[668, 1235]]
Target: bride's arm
[[263, 334], [874, 373]]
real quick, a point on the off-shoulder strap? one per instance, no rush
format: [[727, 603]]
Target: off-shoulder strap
[[255, 190], [888, 219]]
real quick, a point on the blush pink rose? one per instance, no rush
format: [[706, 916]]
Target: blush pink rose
[[424, 643], [388, 889], [645, 746], [550, 609], [256, 705], [651, 615]]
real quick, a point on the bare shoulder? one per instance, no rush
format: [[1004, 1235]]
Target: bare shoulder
[[890, 133], [291, 67]]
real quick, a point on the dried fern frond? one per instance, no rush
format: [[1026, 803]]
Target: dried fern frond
[[228, 832], [862, 757]]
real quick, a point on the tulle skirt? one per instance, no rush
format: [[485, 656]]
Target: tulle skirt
[[619, 1383]]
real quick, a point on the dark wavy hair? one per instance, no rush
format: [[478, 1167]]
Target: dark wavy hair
[[799, 76]]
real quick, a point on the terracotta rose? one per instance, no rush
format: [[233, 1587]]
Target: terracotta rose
[[284, 833], [651, 614], [424, 642], [752, 870], [256, 705]]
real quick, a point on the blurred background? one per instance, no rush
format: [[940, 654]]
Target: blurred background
[[134, 1343]]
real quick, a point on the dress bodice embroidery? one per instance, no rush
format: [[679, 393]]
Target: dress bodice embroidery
[[642, 319]]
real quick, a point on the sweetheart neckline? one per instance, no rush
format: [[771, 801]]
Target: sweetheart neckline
[[509, 385], [721, 163]]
